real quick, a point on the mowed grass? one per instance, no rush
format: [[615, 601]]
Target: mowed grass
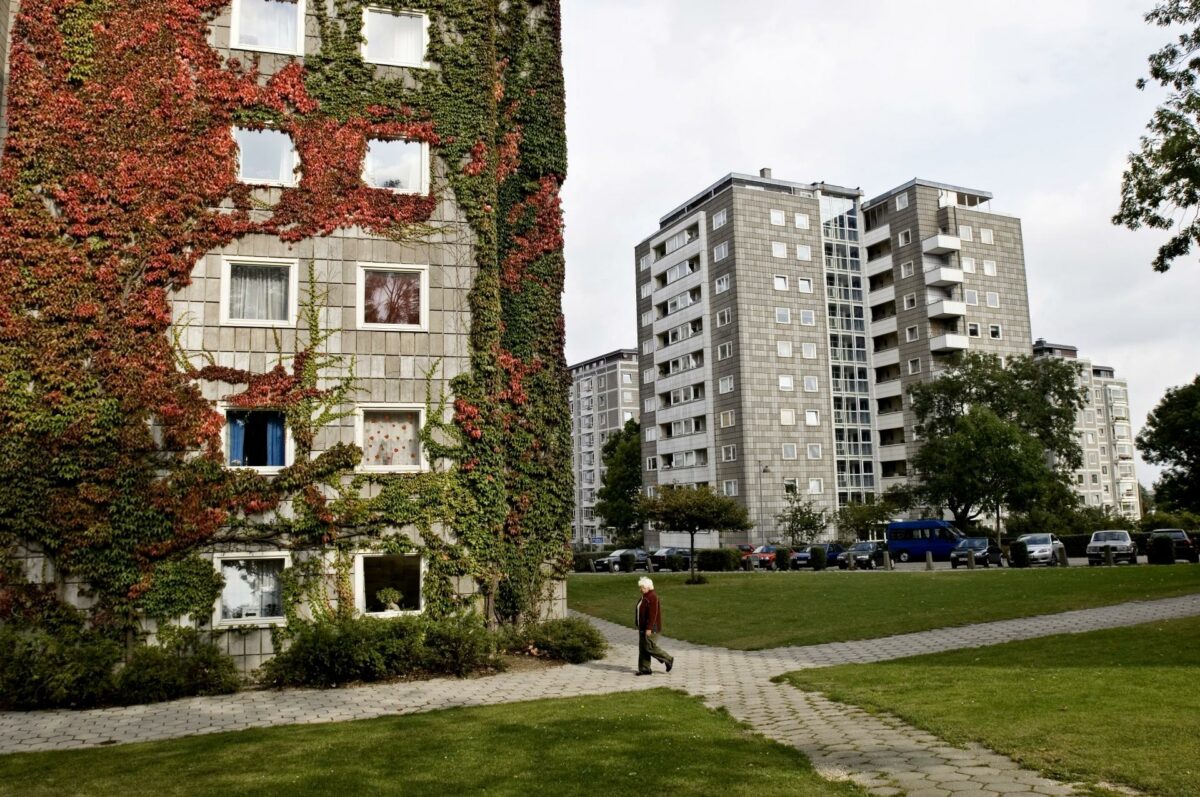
[[1116, 706], [656, 742], [751, 611]]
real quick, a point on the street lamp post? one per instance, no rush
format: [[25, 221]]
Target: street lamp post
[[763, 469]]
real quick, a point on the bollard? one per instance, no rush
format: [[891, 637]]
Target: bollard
[[970, 560], [1063, 561], [1108, 556], [887, 561], [929, 560]]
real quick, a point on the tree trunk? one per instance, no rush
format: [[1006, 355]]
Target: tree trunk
[[692, 558]]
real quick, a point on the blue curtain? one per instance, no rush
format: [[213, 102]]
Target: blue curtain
[[275, 448], [237, 439]]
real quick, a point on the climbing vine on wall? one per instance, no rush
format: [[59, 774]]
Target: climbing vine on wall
[[119, 173]]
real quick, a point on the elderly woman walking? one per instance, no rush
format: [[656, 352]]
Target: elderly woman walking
[[649, 623]]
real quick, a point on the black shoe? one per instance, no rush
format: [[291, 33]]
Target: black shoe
[[670, 664], [639, 672]]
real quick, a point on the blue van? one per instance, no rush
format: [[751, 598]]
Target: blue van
[[910, 539]]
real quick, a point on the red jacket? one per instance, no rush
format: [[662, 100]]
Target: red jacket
[[649, 614]]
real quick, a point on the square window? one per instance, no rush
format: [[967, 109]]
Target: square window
[[904, 238], [968, 265], [725, 385], [971, 297], [788, 451], [781, 282], [253, 591], [814, 450], [256, 439], [652, 463], [397, 165], [808, 318], [803, 252], [808, 351], [901, 201], [265, 157], [995, 332], [647, 289], [907, 269], [651, 434], [986, 236], [388, 584], [719, 219], [816, 486], [910, 301], [626, 378], [721, 251], [724, 317], [912, 333], [730, 487], [973, 330], [993, 299], [728, 453], [722, 284], [390, 437], [787, 382], [783, 315], [914, 366], [725, 351], [647, 318], [787, 417], [257, 292], [778, 218], [804, 285], [644, 263], [964, 233], [650, 404], [778, 249], [789, 486], [271, 26], [783, 348], [812, 417], [810, 384], [801, 220], [394, 38], [989, 268], [393, 297], [728, 418]]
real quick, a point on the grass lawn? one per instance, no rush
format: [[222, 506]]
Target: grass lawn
[[751, 611], [657, 742], [1117, 706]]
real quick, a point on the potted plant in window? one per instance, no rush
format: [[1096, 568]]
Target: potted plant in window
[[390, 598]]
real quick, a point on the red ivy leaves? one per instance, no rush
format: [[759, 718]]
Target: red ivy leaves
[[539, 221]]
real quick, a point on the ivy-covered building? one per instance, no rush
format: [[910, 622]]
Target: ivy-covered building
[[282, 311]]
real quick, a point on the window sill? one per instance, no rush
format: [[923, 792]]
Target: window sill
[[402, 65], [257, 183], [286, 323], [252, 622], [366, 327], [297, 53], [399, 613], [266, 470], [392, 469]]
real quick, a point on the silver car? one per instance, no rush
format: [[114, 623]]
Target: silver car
[[1119, 541], [1044, 549]]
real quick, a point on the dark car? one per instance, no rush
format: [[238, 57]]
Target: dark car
[[1185, 546], [867, 555], [661, 559], [612, 562], [803, 557], [985, 551], [763, 556]]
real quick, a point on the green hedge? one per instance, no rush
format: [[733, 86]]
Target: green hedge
[[783, 558], [718, 560], [571, 639], [583, 560], [816, 558], [1018, 554]]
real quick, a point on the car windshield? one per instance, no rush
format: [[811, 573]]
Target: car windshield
[[663, 552], [863, 546], [973, 542], [1110, 536], [1036, 539], [764, 549]]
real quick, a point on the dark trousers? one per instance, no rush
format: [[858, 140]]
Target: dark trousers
[[647, 647]]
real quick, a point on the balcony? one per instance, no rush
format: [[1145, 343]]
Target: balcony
[[884, 326], [943, 276], [947, 308], [892, 481], [879, 265], [888, 389], [883, 295], [889, 420], [880, 233], [892, 453], [886, 357], [941, 245], [949, 342]]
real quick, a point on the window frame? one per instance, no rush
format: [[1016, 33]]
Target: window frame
[[721, 216], [292, 179], [783, 452], [360, 298], [777, 247], [731, 415], [777, 213], [804, 252], [778, 279], [293, 265], [360, 588], [424, 64], [260, 622], [722, 283], [360, 435], [235, 30], [423, 189]]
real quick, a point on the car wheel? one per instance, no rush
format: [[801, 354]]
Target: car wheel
[[903, 557], [1053, 560]]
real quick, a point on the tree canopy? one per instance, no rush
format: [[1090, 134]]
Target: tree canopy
[[1171, 437], [621, 484], [694, 509], [801, 520]]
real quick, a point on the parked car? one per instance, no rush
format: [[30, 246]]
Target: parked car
[[763, 556], [1185, 546], [912, 539], [867, 555], [1044, 549], [803, 557], [612, 562], [984, 551], [661, 559], [1118, 540]]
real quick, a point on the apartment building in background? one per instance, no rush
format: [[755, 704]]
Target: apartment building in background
[[604, 396], [1107, 477], [946, 274], [753, 335]]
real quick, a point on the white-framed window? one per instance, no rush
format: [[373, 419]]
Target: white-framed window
[[780, 282], [986, 236], [647, 289], [725, 384], [783, 315], [389, 585], [729, 487], [968, 265], [989, 268], [912, 333], [258, 439], [803, 252], [395, 38], [651, 463], [729, 453], [722, 284], [973, 329], [910, 301], [626, 416], [390, 436], [808, 351], [644, 263], [812, 417], [810, 384], [971, 297], [993, 299], [650, 404], [265, 156], [816, 486], [814, 450], [808, 318], [787, 382], [393, 297], [964, 232], [647, 318], [914, 366], [268, 26], [995, 332], [725, 350], [648, 346], [907, 269], [727, 418], [790, 486], [719, 219], [397, 165], [904, 238], [253, 590], [778, 249], [801, 221], [788, 451], [724, 317], [901, 201], [787, 416], [259, 292], [626, 378], [778, 218], [804, 285], [720, 251], [650, 434], [783, 348]]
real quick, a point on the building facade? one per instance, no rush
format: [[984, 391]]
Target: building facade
[[1107, 477], [946, 274], [752, 335], [604, 396]]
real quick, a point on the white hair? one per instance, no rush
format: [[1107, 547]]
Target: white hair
[[645, 582]]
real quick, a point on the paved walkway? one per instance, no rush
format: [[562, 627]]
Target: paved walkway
[[881, 753]]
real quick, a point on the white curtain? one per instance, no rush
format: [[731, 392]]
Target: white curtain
[[258, 293], [395, 38], [268, 24], [265, 155]]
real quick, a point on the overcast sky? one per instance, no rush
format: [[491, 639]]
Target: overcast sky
[[1033, 101]]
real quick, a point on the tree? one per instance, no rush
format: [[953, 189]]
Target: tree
[[1171, 437], [802, 521], [621, 484], [693, 509], [1161, 186], [864, 521]]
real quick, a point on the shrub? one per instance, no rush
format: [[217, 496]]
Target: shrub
[[628, 562], [816, 558], [583, 561], [1161, 551], [459, 645], [783, 558], [718, 560], [1018, 554], [181, 666], [675, 562], [70, 668], [572, 640], [362, 649]]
